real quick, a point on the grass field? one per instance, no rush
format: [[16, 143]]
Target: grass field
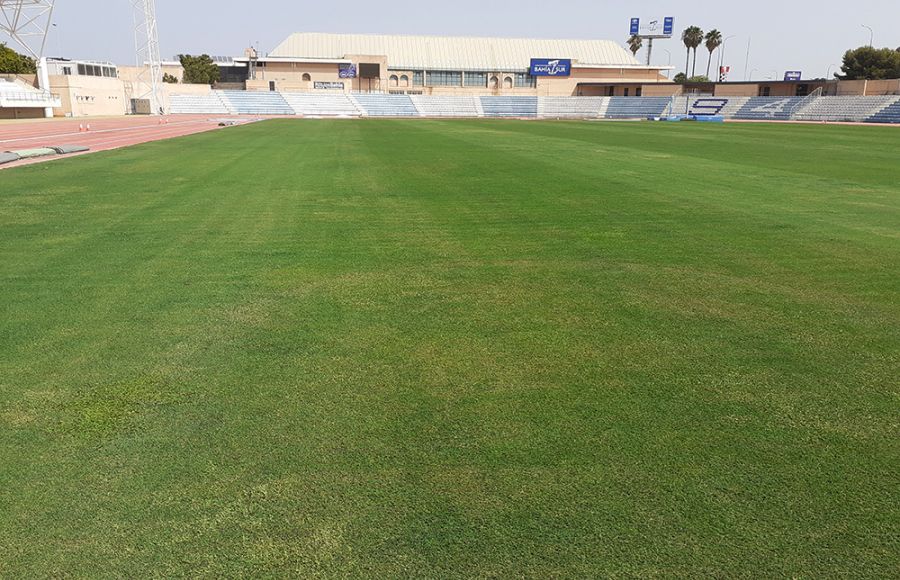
[[472, 348]]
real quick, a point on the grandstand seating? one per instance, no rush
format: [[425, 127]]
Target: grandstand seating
[[875, 109], [768, 108], [853, 109], [636, 107], [510, 106], [441, 106], [209, 104], [379, 105], [889, 114], [256, 103], [321, 104], [572, 107]]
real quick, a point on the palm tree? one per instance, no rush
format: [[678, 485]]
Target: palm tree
[[635, 43], [692, 37], [713, 42]]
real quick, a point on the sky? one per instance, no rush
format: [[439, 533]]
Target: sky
[[784, 35]]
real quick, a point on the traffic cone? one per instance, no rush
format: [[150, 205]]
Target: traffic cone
[[88, 128], [81, 127]]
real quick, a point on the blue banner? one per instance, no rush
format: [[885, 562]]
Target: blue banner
[[543, 67], [793, 75], [669, 26], [347, 71], [635, 26]]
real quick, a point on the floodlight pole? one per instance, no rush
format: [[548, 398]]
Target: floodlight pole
[[871, 35], [146, 43], [27, 22]]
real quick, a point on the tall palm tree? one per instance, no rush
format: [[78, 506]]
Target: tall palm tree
[[635, 43], [713, 42], [692, 37]]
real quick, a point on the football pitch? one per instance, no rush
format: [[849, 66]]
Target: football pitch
[[455, 349]]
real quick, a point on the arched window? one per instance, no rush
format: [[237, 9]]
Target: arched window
[[306, 77], [495, 82], [394, 80], [507, 83], [404, 81]]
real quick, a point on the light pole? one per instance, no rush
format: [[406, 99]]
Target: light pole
[[871, 35], [722, 54], [668, 52], [828, 71], [750, 78], [774, 75]]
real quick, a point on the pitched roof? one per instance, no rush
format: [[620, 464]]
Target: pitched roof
[[454, 52]]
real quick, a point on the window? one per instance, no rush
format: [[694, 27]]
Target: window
[[525, 80], [442, 78], [82, 70], [306, 77], [495, 82], [418, 78], [639, 92], [394, 80], [610, 91], [404, 81], [507, 83], [476, 79], [626, 91], [67, 70], [765, 91]]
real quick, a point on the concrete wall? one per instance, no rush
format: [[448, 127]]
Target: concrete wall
[[84, 96]]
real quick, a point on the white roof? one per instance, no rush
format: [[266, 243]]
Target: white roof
[[453, 52]]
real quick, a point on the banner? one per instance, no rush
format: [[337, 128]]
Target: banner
[[347, 71], [793, 75], [328, 85], [543, 67], [635, 26]]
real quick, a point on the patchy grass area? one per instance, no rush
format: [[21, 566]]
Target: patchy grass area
[[455, 348]]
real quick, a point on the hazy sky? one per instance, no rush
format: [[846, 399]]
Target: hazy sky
[[786, 35]]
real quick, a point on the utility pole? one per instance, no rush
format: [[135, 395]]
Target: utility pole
[[27, 22], [146, 45]]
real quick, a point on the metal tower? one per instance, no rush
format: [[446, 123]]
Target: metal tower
[[27, 22], [146, 43]]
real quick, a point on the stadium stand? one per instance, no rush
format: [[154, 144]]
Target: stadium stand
[[707, 106], [572, 107], [889, 114], [445, 106], [509, 106], [321, 105], [873, 109], [198, 104], [379, 105], [261, 103], [850, 109], [768, 108], [636, 107]]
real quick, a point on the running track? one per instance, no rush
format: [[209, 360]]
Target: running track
[[105, 134]]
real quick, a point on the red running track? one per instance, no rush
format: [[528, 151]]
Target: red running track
[[104, 134]]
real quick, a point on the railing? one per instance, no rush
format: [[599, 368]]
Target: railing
[[23, 96], [805, 102]]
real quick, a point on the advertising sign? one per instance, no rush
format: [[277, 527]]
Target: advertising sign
[[329, 85], [543, 67], [347, 71], [669, 26], [635, 26], [793, 75]]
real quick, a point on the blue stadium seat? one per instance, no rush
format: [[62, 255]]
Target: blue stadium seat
[[379, 105], [636, 107], [768, 108], [510, 106], [256, 103], [890, 114]]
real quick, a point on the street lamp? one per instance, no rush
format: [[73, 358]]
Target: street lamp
[[722, 52], [828, 71], [751, 73], [668, 52], [871, 35]]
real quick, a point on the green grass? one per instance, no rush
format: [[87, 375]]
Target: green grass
[[435, 348]]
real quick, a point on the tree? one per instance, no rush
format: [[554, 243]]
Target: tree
[[199, 70], [680, 79], [635, 43], [171, 79], [11, 62], [713, 42], [692, 37], [870, 63]]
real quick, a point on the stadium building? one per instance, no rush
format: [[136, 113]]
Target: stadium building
[[432, 65]]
